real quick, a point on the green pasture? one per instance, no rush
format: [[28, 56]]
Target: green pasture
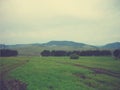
[[62, 73]]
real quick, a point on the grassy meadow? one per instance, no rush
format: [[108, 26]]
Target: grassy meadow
[[62, 73]]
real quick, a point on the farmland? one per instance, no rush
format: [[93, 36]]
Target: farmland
[[61, 73]]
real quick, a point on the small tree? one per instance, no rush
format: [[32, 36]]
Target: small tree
[[74, 56], [116, 53]]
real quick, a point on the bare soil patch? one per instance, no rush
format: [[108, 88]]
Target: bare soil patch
[[11, 84]]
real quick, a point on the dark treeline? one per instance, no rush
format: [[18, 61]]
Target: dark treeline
[[80, 53], [116, 53], [8, 53]]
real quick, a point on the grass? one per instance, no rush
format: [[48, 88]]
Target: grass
[[60, 73]]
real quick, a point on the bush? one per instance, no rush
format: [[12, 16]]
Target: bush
[[74, 56]]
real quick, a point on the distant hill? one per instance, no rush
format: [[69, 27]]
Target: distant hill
[[2, 46], [36, 48], [115, 45], [64, 43]]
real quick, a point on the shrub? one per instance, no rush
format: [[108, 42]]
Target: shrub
[[74, 56]]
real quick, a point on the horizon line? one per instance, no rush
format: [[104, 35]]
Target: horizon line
[[59, 41]]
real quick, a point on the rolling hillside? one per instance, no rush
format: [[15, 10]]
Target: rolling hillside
[[112, 45], [35, 48]]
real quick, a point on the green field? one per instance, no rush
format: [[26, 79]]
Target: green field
[[62, 73]]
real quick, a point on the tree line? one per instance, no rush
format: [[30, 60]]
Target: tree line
[[115, 53], [80, 53], [8, 53]]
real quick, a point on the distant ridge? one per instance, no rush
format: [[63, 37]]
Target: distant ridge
[[114, 45], [64, 43]]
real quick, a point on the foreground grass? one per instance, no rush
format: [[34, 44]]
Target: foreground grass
[[54, 73]]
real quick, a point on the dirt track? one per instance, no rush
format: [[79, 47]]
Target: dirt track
[[96, 70], [11, 84]]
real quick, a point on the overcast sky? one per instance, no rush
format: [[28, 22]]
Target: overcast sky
[[93, 22]]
